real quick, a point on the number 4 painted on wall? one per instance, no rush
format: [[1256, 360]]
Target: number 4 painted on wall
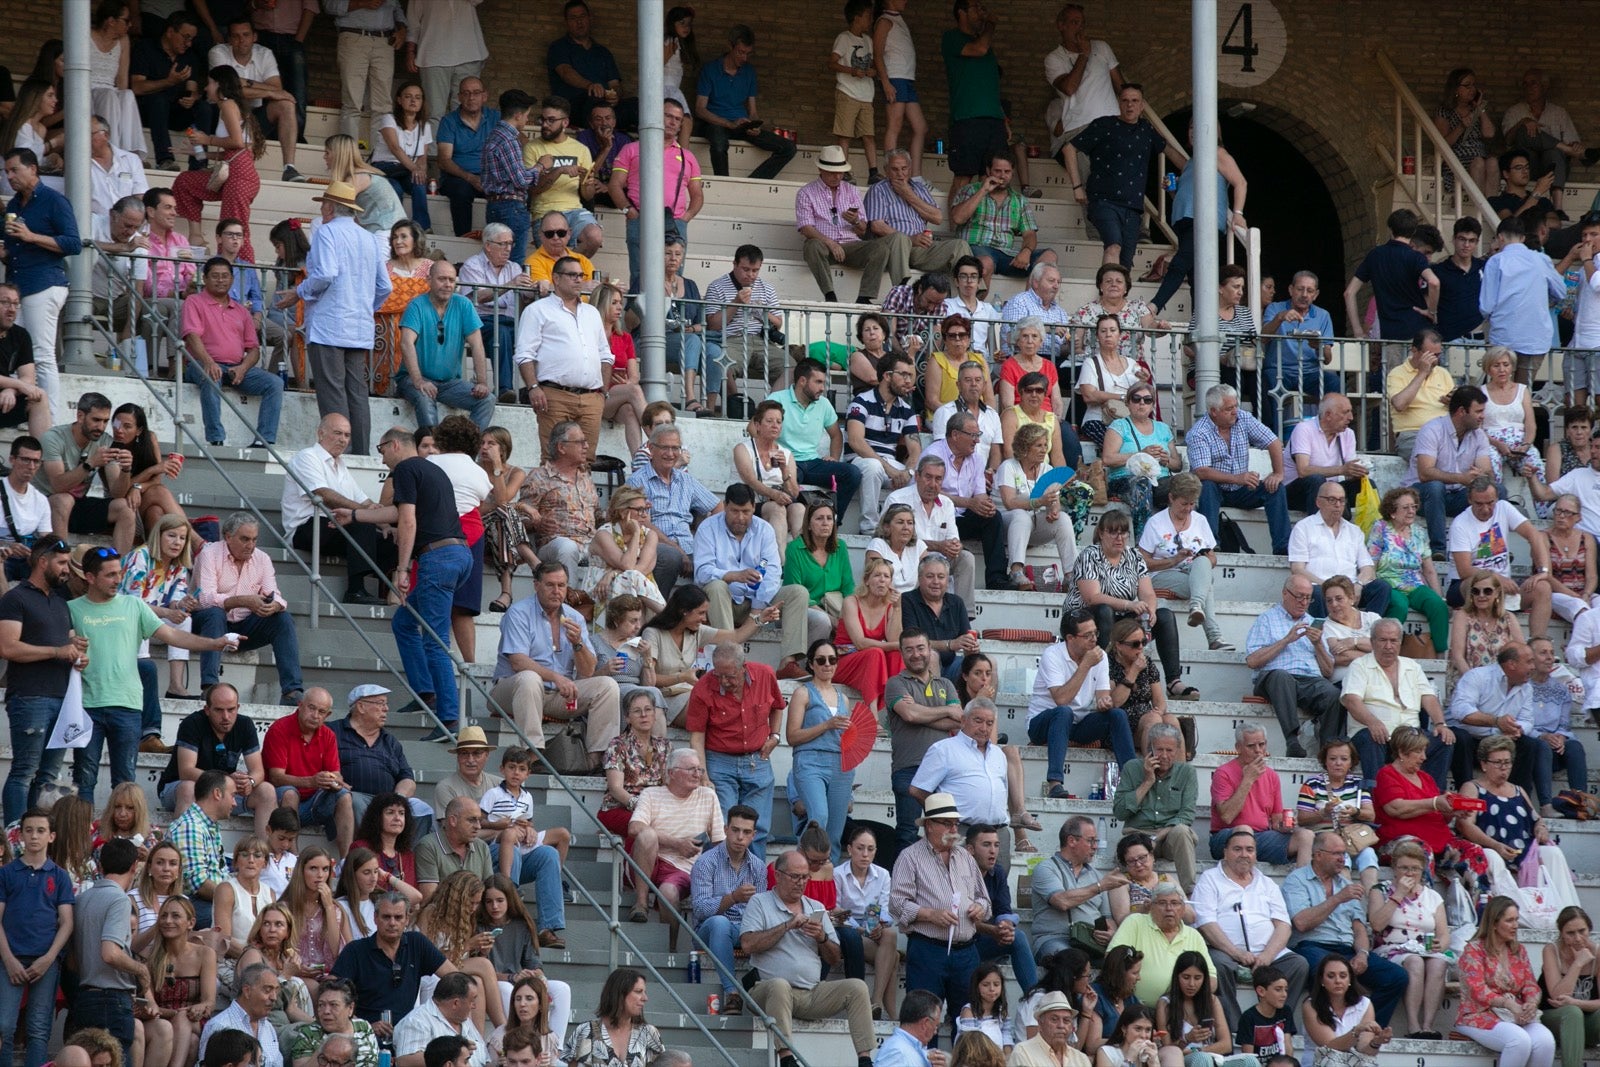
[[1248, 49]]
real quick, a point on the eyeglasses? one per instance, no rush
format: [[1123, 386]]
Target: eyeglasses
[[1567, 511], [1292, 595], [794, 874], [28, 461], [507, 243], [824, 661], [555, 233], [1497, 763], [568, 273], [326, 1062], [231, 233]]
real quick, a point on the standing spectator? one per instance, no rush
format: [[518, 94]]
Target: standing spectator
[[1219, 455], [108, 974], [1156, 795], [282, 27], [301, 755], [812, 435], [830, 215], [1418, 389], [969, 766], [1383, 691], [445, 46], [545, 668], [742, 316], [680, 173], [725, 104], [995, 221], [923, 710], [1071, 901], [114, 173], [721, 883], [1231, 192], [1545, 131], [736, 562], [1122, 146], [852, 66], [1396, 272], [239, 593], [264, 92], [564, 357], [198, 835], [220, 335], [1292, 667], [675, 496], [1519, 285], [345, 284], [1461, 280], [36, 671], [460, 141], [370, 32], [727, 711], [903, 203], [938, 897], [431, 373], [1499, 994], [977, 117], [164, 73], [1242, 915], [506, 181], [40, 233], [1085, 75], [36, 919], [218, 738], [73, 454]]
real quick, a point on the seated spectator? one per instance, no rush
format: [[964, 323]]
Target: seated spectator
[[1337, 1010], [563, 498], [148, 494], [160, 573], [1161, 937], [1237, 907], [1323, 449], [872, 339], [371, 758], [871, 628], [1039, 301], [1236, 324], [1219, 454], [74, 455], [881, 427], [722, 881], [1293, 666], [26, 512], [619, 1016], [471, 750], [457, 848], [1478, 541], [1418, 388], [742, 317], [218, 738], [389, 831], [782, 930], [28, 403], [1071, 903], [830, 215], [460, 140], [1140, 432], [220, 335], [165, 71], [966, 380], [1401, 555], [624, 404], [1555, 692], [1573, 578], [1033, 409], [997, 224], [1511, 826], [897, 544], [448, 1014], [1383, 690], [1180, 554], [812, 434], [863, 898], [1072, 698], [239, 593], [905, 204], [670, 822], [690, 346], [403, 139], [1497, 977], [934, 516], [941, 615], [1135, 680], [1028, 519], [1105, 378], [725, 107], [497, 307], [1508, 419], [256, 992], [1325, 545], [768, 469], [1110, 580], [1187, 1021], [321, 475], [301, 756], [984, 317], [430, 376], [1113, 283], [386, 969], [538, 677], [1412, 806], [1523, 198], [1448, 454], [1156, 796], [552, 235], [1246, 795], [626, 546], [566, 177], [1482, 627], [968, 766], [677, 645], [734, 559], [1408, 914], [674, 496]]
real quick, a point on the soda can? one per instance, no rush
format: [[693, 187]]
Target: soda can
[[572, 703], [938, 146], [1427, 942], [713, 1003], [1169, 182], [433, 186], [1288, 818], [1408, 165]]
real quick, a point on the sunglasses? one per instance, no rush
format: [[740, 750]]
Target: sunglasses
[[103, 554], [1134, 644], [441, 332], [1141, 400], [1489, 591], [951, 335], [555, 233], [824, 661]]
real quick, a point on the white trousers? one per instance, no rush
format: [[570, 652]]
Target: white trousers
[[1026, 528], [41, 317]]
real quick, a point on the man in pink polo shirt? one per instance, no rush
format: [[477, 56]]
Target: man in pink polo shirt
[[1246, 791], [680, 181], [220, 335]]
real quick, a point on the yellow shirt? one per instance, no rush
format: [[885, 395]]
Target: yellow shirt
[[540, 264], [563, 192], [1035, 1053], [948, 372], [1429, 403]]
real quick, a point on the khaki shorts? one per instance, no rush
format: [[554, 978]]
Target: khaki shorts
[[851, 117]]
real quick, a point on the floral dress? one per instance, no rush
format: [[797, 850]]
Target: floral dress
[[158, 587], [504, 530], [590, 1046], [615, 583], [1484, 640], [386, 339], [623, 755], [1396, 557], [1410, 922]]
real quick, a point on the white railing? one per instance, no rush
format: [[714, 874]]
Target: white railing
[[1421, 153]]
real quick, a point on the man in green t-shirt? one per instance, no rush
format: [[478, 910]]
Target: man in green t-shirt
[[811, 432], [114, 626], [977, 122]]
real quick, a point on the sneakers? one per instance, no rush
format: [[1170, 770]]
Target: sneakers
[[292, 175], [438, 734]]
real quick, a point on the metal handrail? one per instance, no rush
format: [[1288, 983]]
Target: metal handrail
[[1405, 101], [613, 920]]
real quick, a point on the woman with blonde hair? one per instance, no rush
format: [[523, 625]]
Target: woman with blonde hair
[[380, 207], [126, 815], [1499, 993], [183, 975], [1032, 520], [160, 572], [449, 919], [161, 877], [867, 641], [272, 941], [1508, 419], [624, 405], [506, 517], [1482, 626], [769, 470], [626, 544], [238, 901]]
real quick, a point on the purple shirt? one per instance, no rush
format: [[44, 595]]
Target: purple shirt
[[1437, 438], [968, 481]]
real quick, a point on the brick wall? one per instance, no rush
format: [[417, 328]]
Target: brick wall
[[1328, 97]]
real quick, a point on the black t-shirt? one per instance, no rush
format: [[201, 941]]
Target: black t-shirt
[[1261, 1031], [1511, 201], [195, 733], [150, 60], [8, 92], [45, 621], [1393, 270], [951, 622], [383, 984], [16, 347], [1458, 297], [418, 482]]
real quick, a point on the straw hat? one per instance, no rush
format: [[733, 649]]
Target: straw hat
[[340, 193], [939, 806], [832, 158], [472, 739]]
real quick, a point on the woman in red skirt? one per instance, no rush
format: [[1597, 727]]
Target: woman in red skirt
[[869, 634], [235, 147]]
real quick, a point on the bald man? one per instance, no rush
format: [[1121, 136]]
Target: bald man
[[318, 476]]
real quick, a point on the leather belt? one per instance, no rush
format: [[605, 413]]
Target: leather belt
[[443, 542], [567, 388], [939, 940], [365, 33]]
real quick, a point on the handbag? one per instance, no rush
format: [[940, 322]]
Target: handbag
[[1358, 836], [1230, 538], [567, 749], [1114, 409], [1412, 646], [1095, 477]]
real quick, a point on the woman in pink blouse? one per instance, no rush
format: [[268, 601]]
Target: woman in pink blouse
[[1499, 995]]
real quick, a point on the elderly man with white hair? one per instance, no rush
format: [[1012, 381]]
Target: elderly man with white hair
[[1323, 449], [970, 766], [1325, 544], [671, 824], [1219, 454], [935, 515], [676, 498], [1383, 691], [1293, 667], [1038, 301], [500, 306]]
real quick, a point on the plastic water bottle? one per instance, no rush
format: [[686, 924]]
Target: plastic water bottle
[[694, 967], [1100, 835]]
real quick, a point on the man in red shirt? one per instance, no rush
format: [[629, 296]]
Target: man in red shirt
[[302, 759], [733, 717]]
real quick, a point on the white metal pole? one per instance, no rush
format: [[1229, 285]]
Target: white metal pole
[[652, 201], [78, 347], [1207, 338]]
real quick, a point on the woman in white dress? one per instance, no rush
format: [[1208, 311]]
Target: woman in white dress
[[1337, 1019], [109, 91], [768, 468], [1508, 418]]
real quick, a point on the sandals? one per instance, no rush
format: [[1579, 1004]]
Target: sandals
[[500, 604], [1179, 690], [637, 914], [1025, 821], [1020, 842], [694, 406]]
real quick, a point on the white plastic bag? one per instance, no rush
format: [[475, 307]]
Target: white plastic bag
[[73, 725]]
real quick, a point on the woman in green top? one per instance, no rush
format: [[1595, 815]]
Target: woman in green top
[[819, 562]]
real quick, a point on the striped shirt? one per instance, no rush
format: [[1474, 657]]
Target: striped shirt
[[1208, 449], [745, 318], [996, 225], [824, 208], [505, 176], [672, 502], [885, 205], [884, 424]]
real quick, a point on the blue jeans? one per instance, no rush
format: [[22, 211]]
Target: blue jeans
[[1442, 502], [399, 176], [947, 975], [1374, 597], [514, 213], [1272, 846], [256, 631], [121, 727], [1020, 952], [825, 789], [721, 933], [453, 394], [32, 765], [202, 911], [256, 382], [1545, 763], [673, 225], [109, 1009], [1436, 764], [41, 1013], [1117, 225], [1385, 982], [427, 662], [541, 865], [843, 478], [1103, 726], [499, 346], [744, 780], [1276, 505], [1055, 727], [907, 808]]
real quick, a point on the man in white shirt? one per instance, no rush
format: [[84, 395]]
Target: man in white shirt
[[26, 511], [258, 988], [1583, 656], [936, 521], [970, 380], [1581, 482], [1085, 76], [446, 45], [970, 766], [448, 1014], [1072, 699], [563, 356], [319, 473], [1545, 131], [1241, 914], [1480, 539], [1495, 700], [1384, 691], [113, 172], [1326, 543], [263, 88]]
